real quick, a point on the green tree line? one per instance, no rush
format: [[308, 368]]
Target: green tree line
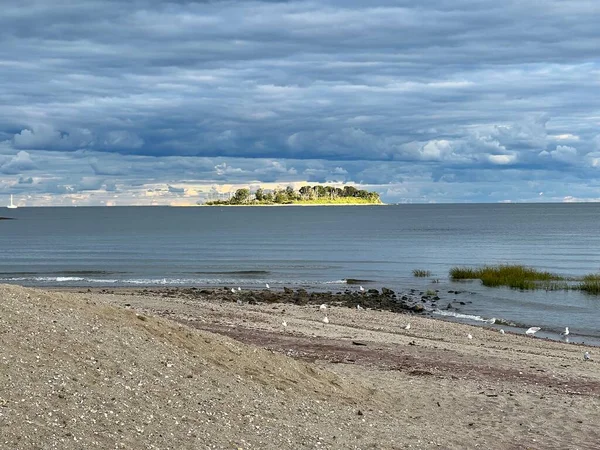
[[308, 194]]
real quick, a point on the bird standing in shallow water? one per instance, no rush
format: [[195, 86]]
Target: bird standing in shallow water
[[566, 332], [361, 289]]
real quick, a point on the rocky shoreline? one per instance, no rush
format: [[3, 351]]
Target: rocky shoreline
[[411, 301]]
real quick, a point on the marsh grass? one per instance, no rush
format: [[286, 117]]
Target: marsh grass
[[513, 276], [590, 284], [421, 273]]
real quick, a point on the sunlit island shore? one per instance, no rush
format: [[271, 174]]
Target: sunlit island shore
[[306, 195], [148, 368]]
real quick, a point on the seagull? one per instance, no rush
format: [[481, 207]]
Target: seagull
[[566, 332], [233, 291], [407, 327], [586, 356], [469, 336], [323, 307], [532, 331], [325, 319], [267, 286], [359, 307], [239, 302], [239, 289], [501, 331], [361, 289], [284, 324]]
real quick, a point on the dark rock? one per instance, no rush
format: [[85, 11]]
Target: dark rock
[[373, 291], [418, 308], [387, 292], [287, 290]]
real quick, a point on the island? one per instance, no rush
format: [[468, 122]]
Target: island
[[306, 195]]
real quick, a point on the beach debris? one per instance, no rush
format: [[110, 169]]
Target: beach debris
[[469, 336], [502, 331], [407, 327], [325, 319], [358, 343], [531, 331], [566, 332], [587, 357], [267, 286], [323, 307]]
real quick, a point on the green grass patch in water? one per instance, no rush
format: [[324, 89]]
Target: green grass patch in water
[[513, 276], [421, 273]]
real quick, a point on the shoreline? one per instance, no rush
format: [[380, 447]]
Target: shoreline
[[412, 303], [131, 368]]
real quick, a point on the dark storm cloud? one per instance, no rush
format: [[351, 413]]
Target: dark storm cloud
[[355, 91]]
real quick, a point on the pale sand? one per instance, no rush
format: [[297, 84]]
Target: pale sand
[[77, 372]]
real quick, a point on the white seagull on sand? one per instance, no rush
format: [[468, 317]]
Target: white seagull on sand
[[501, 331], [469, 336], [325, 319], [323, 307], [359, 307], [586, 356], [532, 331], [284, 324], [233, 291], [566, 332], [407, 327]]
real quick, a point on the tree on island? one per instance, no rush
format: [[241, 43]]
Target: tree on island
[[306, 195]]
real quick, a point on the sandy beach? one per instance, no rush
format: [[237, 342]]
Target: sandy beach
[[158, 370]]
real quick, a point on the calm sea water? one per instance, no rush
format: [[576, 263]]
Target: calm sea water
[[318, 248]]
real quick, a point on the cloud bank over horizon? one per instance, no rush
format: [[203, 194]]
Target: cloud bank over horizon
[[108, 102]]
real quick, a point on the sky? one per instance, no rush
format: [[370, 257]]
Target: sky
[[106, 102]]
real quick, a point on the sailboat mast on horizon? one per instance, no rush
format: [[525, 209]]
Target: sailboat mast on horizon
[[11, 205]]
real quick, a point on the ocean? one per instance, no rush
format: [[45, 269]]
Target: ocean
[[319, 248]]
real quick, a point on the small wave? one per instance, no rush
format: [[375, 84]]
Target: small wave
[[57, 279], [234, 272], [440, 312], [69, 273], [336, 282]]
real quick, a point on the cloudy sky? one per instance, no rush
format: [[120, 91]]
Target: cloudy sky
[[155, 102]]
